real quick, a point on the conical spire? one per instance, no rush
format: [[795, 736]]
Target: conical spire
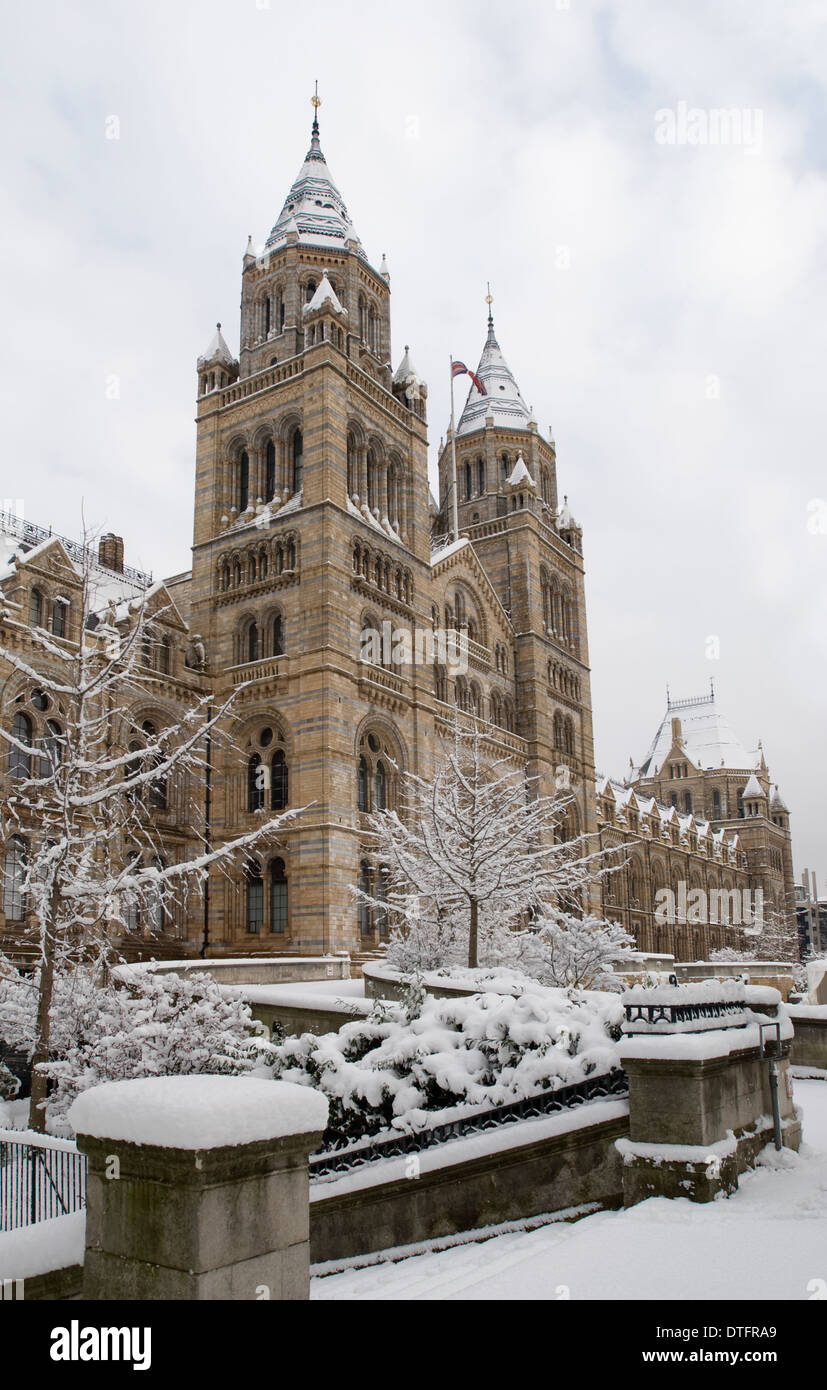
[[314, 203], [503, 401], [217, 350]]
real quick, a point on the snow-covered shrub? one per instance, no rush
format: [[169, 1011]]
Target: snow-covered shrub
[[394, 1071], [148, 1025], [9, 1083]]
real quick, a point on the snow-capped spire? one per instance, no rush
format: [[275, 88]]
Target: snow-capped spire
[[520, 476], [324, 295], [503, 400], [217, 350], [405, 369], [250, 252], [314, 203], [383, 269], [753, 791]]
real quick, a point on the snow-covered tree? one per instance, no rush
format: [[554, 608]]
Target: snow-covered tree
[[774, 939], [472, 852], [84, 805], [134, 1023]]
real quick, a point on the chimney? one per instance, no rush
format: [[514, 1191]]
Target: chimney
[[676, 730], [110, 552]]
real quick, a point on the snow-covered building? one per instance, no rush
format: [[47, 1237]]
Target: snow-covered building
[[314, 522]]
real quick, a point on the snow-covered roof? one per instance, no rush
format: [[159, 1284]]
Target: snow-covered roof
[[405, 369], [314, 207], [777, 802], [707, 738], [646, 806], [520, 475], [753, 790], [503, 400], [217, 350], [565, 519], [324, 293]]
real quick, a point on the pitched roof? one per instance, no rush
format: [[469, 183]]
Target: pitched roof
[[314, 207], [503, 400], [708, 739], [520, 474], [324, 292], [217, 350]]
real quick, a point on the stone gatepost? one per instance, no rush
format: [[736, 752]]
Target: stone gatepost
[[197, 1187], [700, 1103]]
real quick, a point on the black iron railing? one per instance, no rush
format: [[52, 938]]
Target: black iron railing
[[687, 1013], [613, 1083], [37, 1183], [30, 534]]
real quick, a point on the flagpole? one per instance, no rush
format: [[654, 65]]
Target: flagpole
[[454, 507]]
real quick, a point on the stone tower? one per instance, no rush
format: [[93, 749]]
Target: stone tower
[[531, 550], [311, 490]]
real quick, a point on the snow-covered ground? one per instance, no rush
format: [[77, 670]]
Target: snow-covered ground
[[768, 1241]]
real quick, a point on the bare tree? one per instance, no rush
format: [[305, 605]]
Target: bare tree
[[85, 802], [475, 849]]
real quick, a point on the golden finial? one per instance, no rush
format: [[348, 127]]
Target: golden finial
[[316, 100], [489, 299]]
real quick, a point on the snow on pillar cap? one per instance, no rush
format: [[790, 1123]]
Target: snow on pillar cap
[[197, 1112]]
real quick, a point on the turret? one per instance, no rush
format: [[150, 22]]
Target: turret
[[217, 367]]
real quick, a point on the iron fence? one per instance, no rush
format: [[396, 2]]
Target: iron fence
[[612, 1083], [37, 1183]]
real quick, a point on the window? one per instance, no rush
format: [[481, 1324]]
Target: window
[[163, 656], [380, 788], [51, 746], [252, 642], [687, 803], [363, 908], [243, 481], [279, 781], [481, 475], [298, 460], [278, 635], [270, 471], [309, 291], [716, 804], [255, 784], [35, 608], [278, 896], [362, 785], [14, 877], [255, 896], [59, 618], [468, 483], [267, 315], [20, 761]]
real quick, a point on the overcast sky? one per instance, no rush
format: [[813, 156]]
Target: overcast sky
[[662, 305]]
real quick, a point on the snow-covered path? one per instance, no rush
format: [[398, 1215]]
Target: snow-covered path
[[767, 1241]]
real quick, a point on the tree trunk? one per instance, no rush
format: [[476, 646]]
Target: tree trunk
[[472, 935], [37, 1115]]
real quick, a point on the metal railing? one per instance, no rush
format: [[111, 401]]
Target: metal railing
[[38, 1182], [729, 1009], [613, 1083], [29, 534]]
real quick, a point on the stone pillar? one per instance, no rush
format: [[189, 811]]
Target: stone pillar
[[700, 1105], [198, 1187]]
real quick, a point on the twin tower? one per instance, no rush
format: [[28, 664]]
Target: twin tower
[[313, 521]]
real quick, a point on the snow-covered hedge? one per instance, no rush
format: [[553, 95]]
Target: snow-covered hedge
[[152, 1025], [412, 1065]]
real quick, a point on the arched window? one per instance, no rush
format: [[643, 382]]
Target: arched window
[[255, 896], [35, 608], [362, 785], [380, 787], [468, 483], [267, 316], [252, 642], [558, 729], [243, 481], [687, 803], [352, 465], [278, 896], [279, 781], [59, 618], [164, 656], [298, 460], [51, 747], [278, 635], [269, 471], [309, 291], [19, 761], [14, 877], [363, 908], [480, 476], [716, 804], [255, 784]]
